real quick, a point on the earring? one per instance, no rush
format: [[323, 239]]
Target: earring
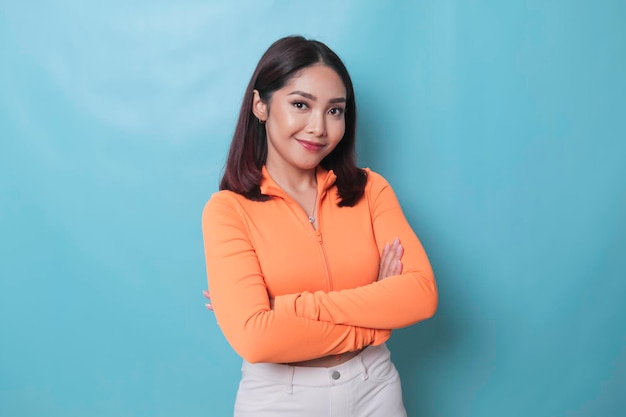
[[261, 121]]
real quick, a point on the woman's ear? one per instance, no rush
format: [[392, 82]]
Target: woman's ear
[[259, 108]]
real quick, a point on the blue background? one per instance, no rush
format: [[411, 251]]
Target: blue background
[[499, 124]]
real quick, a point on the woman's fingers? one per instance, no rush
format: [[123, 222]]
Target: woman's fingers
[[383, 261], [386, 261], [390, 260], [398, 268], [207, 295], [399, 254]]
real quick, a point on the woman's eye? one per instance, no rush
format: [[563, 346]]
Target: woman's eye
[[336, 111], [299, 105]]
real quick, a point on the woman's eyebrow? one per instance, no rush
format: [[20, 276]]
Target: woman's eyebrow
[[313, 98]]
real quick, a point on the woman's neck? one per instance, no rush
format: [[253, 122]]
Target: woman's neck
[[293, 181]]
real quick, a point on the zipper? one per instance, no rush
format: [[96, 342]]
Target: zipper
[[317, 234], [320, 241]]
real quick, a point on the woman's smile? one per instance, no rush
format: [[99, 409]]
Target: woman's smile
[[310, 146]]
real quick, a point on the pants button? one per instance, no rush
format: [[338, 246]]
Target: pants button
[[336, 375]]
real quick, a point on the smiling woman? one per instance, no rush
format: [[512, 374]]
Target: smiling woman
[[305, 124], [310, 260]]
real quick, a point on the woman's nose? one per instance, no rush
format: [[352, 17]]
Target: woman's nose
[[317, 124]]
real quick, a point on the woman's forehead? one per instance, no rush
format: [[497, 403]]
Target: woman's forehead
[[319, 80]]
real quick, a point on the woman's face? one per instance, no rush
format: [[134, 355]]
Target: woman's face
[[304, 119]]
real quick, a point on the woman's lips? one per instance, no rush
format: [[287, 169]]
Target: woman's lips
[[310, 146]]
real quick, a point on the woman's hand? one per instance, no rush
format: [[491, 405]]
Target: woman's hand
[[390, 260], [207, 295]]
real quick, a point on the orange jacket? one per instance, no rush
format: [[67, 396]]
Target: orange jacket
[[327, 299]]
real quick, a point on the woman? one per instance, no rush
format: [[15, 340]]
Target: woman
[[306, 271]]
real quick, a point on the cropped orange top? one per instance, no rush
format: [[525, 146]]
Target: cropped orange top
[[327, 299]]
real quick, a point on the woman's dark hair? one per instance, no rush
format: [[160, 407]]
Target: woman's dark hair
[[248, 150]]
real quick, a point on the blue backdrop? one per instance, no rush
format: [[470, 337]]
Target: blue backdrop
[[499, 124]]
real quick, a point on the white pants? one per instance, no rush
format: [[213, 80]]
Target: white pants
[[368, 385]]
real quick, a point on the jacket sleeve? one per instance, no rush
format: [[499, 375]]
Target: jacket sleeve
[[241, 303], [392, 303]]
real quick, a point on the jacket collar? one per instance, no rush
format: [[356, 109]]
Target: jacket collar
[[325, 180]]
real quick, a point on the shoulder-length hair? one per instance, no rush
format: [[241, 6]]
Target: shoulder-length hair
[[248, 150]]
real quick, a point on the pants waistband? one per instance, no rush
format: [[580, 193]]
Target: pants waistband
[[315, 376]]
